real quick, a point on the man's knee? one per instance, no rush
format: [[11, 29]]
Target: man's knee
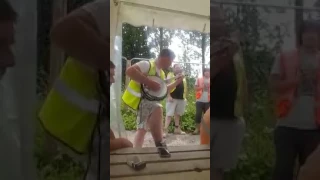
[[158, 110]]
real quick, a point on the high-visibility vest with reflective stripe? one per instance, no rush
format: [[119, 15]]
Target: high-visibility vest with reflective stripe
[[289, 65], [199, 92], [185, 90], [132, 95], [69, 112]]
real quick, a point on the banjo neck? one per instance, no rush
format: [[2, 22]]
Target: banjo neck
[[174, 77]]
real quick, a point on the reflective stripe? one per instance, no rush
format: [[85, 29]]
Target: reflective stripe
[[75, 98], [206, 128], [133, 92]]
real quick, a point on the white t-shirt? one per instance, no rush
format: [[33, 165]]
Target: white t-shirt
[[145, 66], [204, 97]]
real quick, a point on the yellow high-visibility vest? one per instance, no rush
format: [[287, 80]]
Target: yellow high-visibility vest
[[69, 113], [132, 95], [185, 90]]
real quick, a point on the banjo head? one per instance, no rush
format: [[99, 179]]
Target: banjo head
[[156, 95]]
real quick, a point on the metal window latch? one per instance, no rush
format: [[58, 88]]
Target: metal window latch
[[136, 163]]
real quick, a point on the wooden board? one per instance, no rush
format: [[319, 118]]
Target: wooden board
[[204, 175], [186, 162], [151, 150]]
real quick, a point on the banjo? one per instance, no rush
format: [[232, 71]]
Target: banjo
[[159, 95]]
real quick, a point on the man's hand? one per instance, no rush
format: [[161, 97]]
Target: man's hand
[[119, 143], [126, 143], [152, 85], [180, 79]]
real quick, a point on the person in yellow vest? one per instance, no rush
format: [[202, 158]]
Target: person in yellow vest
[[176, 101], [202, 88], [75, 112], [294, 81], [228, 94], [149, 113]]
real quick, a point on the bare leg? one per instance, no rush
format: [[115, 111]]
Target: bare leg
[[156, 123], [177, 129], [217, 174], [167, 123], [166, 126], [176, 120], [139, 138]]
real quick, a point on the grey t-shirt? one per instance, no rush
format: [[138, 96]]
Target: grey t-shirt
[[301, 115]]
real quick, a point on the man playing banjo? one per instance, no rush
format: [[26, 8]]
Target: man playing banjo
[[149, 112]]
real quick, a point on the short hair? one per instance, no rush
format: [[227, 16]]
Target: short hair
[[206, 70], [167, 53], [112, 66], [7, 13], [176, 65]]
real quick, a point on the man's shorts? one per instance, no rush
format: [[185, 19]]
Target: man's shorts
[[146, 108], [226, 140], [176, 107]]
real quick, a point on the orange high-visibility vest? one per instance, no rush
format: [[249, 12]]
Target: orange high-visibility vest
[[289, 65], [199, 92]]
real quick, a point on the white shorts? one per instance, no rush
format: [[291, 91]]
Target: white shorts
[[176, 107]]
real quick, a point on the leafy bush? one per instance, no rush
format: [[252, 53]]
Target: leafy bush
[[256, 160]]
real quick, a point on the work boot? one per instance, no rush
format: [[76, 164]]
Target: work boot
[[162, 149], [177, 130]]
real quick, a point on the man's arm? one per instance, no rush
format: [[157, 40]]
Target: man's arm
[[78, 35], [197, 87], [311, 169], [171, 86], [136, 72], [112, 136], [115, 144], [119, 143]]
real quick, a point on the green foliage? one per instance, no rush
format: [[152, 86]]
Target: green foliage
[[257, 156]]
